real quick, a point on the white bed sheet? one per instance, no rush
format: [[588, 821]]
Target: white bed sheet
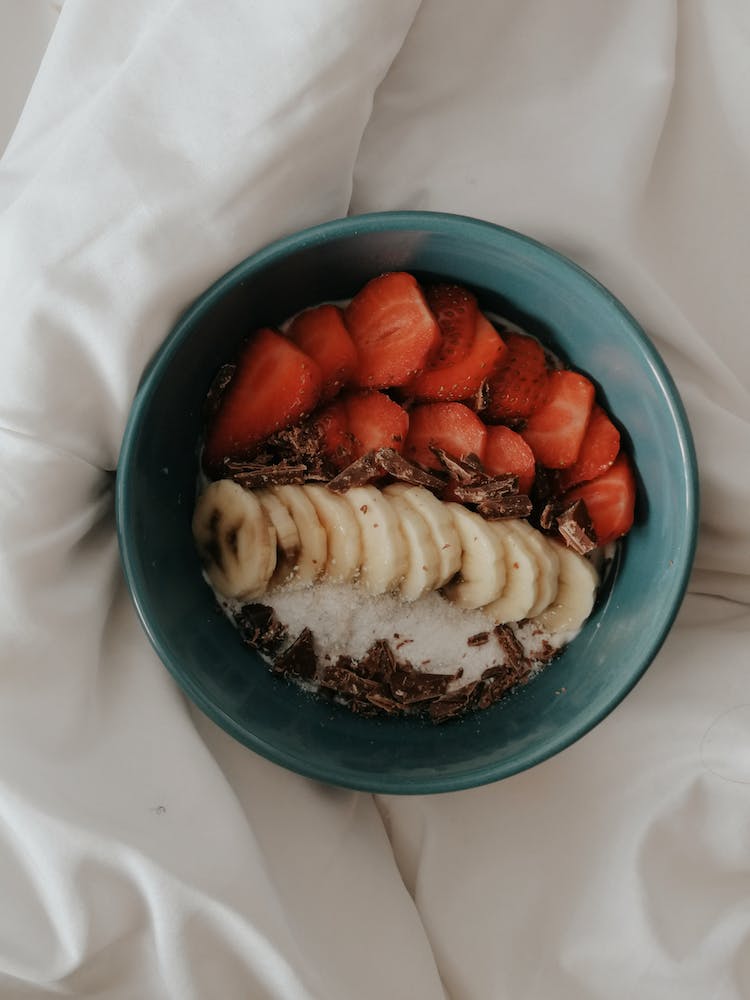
[[144, 854]]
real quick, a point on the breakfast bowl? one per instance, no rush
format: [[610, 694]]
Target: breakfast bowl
[[574, 317]]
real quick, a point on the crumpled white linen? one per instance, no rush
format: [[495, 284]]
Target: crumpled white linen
[[143, 853]]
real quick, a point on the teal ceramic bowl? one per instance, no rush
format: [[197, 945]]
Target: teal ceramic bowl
[[517, 278]]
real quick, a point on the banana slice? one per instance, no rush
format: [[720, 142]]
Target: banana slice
[[483, 560], [440, 524], [235, 540], [288, 543], [521, 573], [313, 551], [384, 551], [548, 563], [423, 564], [576, 592], [342, 532]]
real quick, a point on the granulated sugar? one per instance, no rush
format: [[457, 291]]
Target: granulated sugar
[[432, 634]]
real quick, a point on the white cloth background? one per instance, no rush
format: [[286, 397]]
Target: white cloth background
[[143, 854]]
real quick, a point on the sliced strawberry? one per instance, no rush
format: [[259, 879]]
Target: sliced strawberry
[[338, 444], [375, 421], [450, 426], [393, 329], [456, 311], [320, 332], [462, 379], [507, 452], [599, 449], [273, 386], [555, 430], [610, 500], [518, 385]]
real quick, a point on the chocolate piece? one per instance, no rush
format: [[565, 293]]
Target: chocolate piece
[[493, 689], [454, 704], [466, 471], [299, 658], [358, 473], [514, 655], [493, 488], [216, 390], [378, 663], [347, 682], [574, 524], [259, 627], [479, 639], [411, 687], [252, 476], [518, 505], [399, 468]]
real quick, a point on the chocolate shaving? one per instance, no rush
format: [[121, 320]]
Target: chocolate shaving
[[516, 660], [378, 663], [299, 658], [410, 687], [216, 390], [480, 639], [347, 682], [252, 476], [453, 704], [518, 505], [466, 471], [574, 524]]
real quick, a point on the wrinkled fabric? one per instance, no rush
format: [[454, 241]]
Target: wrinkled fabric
[[145, 854]]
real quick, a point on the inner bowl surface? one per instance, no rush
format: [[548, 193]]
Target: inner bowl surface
[[517, 278]]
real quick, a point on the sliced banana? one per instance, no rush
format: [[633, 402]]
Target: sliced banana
[[440, 524], [384, 551], [483, 560], [548, 563], [235, 540], [288, 543], [313, 551], [576, 592], [520, 592], [423, 564], [342, 532]]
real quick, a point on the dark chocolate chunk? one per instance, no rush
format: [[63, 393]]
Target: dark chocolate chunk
[[466, 471], [479, 639], [378, 663], [299, 658], [491, 489], [574, 524], [259, 627], [409, 687], [515, 657], [518, 505], [399, 468], [358, 473], [454, 704], [253, 476], [347, 682]]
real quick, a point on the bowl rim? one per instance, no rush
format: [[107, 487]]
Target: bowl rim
[[394, 221]]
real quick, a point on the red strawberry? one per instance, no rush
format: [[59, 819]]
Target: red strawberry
[[320, 333], [507, 452], [555, 430], [456, 311], [393, 330], [610, 500], [462, 379], [375, 421], [450, 426], [338, 445], [273, 386], [599, 449], [517, 388]]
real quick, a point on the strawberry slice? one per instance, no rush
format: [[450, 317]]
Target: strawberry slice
[[393, 329], [320, 332], [375, 421], [599, 449], [450, 426], [555, 430], [338, 444], [273, 386], [462, 379], [610, 500], [456, 311], [517, 388], [507, 452]]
